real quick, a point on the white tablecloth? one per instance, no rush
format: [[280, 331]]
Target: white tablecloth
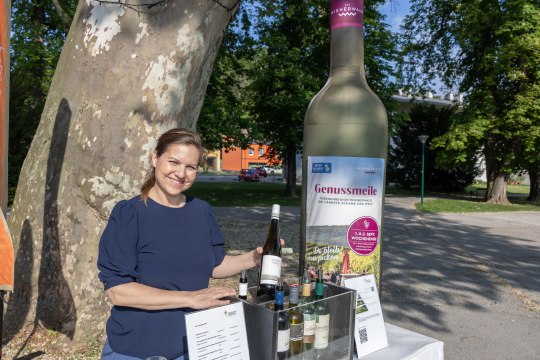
[[407, 345]]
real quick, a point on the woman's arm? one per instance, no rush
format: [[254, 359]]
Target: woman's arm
[[145, 297], [232, 265]]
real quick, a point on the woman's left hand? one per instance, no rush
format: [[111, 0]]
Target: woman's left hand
[[259, 251]]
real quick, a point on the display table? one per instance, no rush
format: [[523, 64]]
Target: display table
[[407, 345]]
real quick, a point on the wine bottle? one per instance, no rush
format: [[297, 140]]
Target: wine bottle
[[243, 286], [270, 269], [284, 329], [344, 147], [308, 311], [322, 322], [296, 320]]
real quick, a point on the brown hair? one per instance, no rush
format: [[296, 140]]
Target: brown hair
[[171, 137]]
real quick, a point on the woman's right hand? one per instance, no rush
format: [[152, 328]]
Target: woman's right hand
[[145, 297], [210, 297]]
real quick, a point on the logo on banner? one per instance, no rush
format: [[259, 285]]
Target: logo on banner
[[321, 168]]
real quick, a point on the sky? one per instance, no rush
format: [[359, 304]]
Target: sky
[[395, 11]]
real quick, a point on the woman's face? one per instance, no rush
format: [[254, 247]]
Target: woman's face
[[175, 171]]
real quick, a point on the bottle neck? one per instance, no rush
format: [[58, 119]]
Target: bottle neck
[[347, 36], [293, 298], [347, 50], [319, 289]]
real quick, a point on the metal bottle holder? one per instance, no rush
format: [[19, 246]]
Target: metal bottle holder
[[262, 324]]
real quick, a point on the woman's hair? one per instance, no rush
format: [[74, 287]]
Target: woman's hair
[[178, 136]]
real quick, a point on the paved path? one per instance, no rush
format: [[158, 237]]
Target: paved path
[[470, 280]]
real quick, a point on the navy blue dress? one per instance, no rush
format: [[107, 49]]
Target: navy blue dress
[[163, 247]]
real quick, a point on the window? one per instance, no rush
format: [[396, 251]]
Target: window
[[251, 152], [261, 151]]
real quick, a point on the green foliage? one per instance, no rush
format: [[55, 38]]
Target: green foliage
[[276, 58], [488, 49], [38, 32], [443, 170], [225, 120]]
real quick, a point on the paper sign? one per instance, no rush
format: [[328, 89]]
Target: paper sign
[[217, 334], [369, 330]]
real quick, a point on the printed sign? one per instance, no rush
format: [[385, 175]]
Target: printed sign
[[344, 215], [217, 333], [369, 330]]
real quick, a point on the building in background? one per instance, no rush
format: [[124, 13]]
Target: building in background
[[236, 159]]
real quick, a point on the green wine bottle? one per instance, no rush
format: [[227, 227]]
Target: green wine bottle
[[296, 320], [322, 318]]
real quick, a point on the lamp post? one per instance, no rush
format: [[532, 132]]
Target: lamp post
[[423, 139]]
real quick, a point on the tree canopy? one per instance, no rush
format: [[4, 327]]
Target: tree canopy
[[489, 50], [38, 32], [284, 65]]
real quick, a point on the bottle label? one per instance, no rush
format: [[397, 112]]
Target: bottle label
[[297, 332], [271, 269], [283, 340], [346, 14], [309, 329], [306, 290], [322, 328], [243, 289]]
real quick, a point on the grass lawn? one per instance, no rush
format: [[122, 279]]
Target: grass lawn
[[244, 194], [265, 194], [473, 205]]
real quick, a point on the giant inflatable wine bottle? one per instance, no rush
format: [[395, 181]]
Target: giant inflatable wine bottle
[[344, 161]]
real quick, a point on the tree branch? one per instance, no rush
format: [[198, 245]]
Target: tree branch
[[64, 17]]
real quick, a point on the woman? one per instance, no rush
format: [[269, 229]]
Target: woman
[[157, 254]]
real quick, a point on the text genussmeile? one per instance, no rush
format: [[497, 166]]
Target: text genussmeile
[[370, 190]]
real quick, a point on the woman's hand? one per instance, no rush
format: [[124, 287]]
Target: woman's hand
[[232, 265], [257, 254], [210, 297], [145, 297]]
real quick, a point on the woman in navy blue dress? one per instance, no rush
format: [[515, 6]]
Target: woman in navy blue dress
[[158, 253]]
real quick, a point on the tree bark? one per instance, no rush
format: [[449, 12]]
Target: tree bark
[[496, 192], [290, 188], [534, 178], [123, 78], [496, 179]]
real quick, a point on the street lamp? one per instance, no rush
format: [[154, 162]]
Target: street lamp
[[423, 139]]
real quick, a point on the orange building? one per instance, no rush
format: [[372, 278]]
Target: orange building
[[236, 158]]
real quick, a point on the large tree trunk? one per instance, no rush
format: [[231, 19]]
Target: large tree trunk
[[496, 192], [124, 77], [534, 178], [496, 179], [290, 188]]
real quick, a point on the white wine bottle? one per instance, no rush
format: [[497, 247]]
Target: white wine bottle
[[243, 285], [308, 311], [322, 324], [345, 151], [270, 270], [284, 329], [296, 320]]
